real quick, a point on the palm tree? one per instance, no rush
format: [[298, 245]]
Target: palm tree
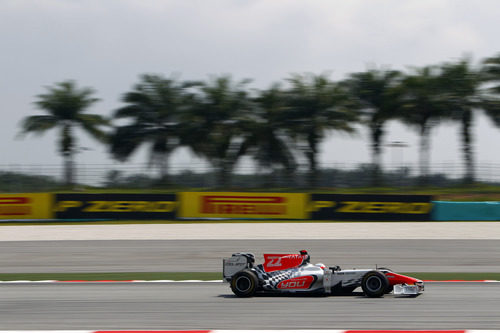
[[374, 93], [153, 109], [212, 126], [265, 135], [316, 107], [491, 74], [463, 97], [65, 106], [422, 106]]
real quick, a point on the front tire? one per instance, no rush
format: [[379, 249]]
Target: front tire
[[244, 283], [374, 284], [389, 289]]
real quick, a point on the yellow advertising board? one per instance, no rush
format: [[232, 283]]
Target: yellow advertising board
[[25, 206], [242, 205]]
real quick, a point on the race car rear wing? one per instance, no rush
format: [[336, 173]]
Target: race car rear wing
[[237, 262]]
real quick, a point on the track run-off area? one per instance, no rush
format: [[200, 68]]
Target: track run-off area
[[198, 247]]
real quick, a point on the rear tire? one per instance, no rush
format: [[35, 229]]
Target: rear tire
[[374, 284], [244, 283]]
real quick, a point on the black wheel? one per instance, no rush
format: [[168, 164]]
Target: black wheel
[[389, 289], [244, 283], [374, 284]]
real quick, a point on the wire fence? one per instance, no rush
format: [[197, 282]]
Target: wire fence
[[46, 177]]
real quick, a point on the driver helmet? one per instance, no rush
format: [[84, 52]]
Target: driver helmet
[[304, 253]]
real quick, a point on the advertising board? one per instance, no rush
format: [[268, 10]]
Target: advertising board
[[242, 205], [382, 207], [25, 206], [116, 206]]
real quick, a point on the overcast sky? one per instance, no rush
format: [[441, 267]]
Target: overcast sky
[[107, 44]]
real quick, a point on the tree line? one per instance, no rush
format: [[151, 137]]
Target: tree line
[[222, 120]]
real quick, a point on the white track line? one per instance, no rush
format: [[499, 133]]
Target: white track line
[[109, 281], [187, 281]]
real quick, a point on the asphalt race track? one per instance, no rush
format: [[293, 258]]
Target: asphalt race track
[[460, 247], [413, 255], [212, 306]]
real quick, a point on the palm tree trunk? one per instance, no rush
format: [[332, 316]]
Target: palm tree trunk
[[311, 157], [424, 154], [376, 135], [163, 165], [224, 173], [467, 147], [66, 145], [289, 176], [69, 168]]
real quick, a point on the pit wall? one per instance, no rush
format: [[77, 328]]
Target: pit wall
[[240, 205]]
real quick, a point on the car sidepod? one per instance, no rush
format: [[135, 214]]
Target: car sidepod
[[307, 278]]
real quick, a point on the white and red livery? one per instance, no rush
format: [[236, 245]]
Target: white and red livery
[[293, 273]]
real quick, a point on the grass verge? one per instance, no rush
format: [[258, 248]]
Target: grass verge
[[206, 276], [118, 276], [438, 276]]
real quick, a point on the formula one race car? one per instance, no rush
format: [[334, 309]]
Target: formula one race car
[[285, 273]]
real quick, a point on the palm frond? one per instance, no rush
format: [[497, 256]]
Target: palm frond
[[38, 124], [92, 124], [65, 101], [125, 140]]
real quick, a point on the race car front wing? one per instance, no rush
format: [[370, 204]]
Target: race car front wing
[[405, 289]]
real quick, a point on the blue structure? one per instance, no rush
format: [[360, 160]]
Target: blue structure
[[466, 211]]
